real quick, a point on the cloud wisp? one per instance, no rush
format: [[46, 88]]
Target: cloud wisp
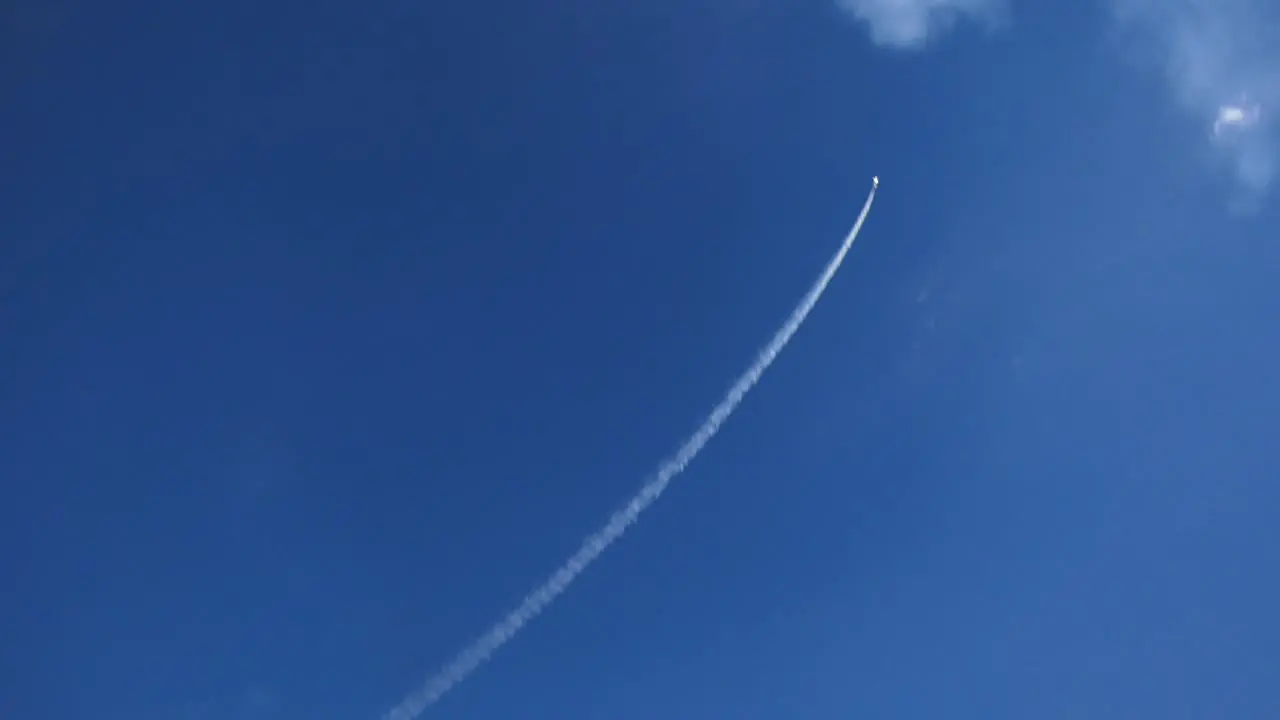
[[1222, 62], [474, 655], [912, 24]]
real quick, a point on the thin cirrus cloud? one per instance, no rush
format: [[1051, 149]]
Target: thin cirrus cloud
[[1221, 59], [913, 24]]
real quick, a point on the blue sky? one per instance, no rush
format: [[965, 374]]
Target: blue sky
[[330, 329]]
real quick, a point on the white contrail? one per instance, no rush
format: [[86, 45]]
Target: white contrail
[[535, 602]]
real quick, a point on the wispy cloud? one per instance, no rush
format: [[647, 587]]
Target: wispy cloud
[[911, 24], [1222, 61]]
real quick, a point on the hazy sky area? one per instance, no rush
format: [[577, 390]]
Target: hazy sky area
[[328, 330]]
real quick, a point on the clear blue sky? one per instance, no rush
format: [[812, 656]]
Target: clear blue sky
[[328, 329]]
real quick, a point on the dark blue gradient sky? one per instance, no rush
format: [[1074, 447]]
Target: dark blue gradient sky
[[328, 330]]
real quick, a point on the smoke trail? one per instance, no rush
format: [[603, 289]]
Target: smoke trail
[[535, 602]]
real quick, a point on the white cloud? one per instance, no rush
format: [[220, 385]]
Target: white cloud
[[1232, 118], [910, 24], [1222, 61]]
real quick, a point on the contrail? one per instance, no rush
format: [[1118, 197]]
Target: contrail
[[535, 602]]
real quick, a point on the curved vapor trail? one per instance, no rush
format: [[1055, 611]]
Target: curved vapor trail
[[535, 602]]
